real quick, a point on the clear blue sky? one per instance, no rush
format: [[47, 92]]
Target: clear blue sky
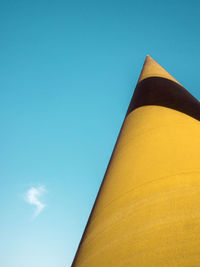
[[67, 73]]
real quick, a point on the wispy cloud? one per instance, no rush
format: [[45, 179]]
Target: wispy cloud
[[32, 197]]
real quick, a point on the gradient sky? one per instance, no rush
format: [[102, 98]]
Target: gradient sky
[[67, 73]]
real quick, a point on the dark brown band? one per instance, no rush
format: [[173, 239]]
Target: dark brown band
[[163, 92]]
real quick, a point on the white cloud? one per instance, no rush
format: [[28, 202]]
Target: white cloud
[[32, 197]]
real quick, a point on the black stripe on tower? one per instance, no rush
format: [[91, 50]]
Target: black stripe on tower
[[163, 92]]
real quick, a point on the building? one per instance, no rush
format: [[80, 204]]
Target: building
[[147, 212]]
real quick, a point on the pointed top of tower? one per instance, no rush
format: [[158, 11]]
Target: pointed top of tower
[[152, 69], [156, 87]]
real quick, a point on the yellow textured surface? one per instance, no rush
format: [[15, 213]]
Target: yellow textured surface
[[148, 211], [152, 69]]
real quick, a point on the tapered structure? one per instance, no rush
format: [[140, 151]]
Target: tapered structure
[[147, 212]]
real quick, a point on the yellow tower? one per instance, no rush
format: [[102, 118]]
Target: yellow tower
[[147, 212]]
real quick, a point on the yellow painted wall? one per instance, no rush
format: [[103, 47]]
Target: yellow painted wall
[[152, 69], [148, 211]]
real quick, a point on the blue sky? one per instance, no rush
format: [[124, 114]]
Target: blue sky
[[68, 70]]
